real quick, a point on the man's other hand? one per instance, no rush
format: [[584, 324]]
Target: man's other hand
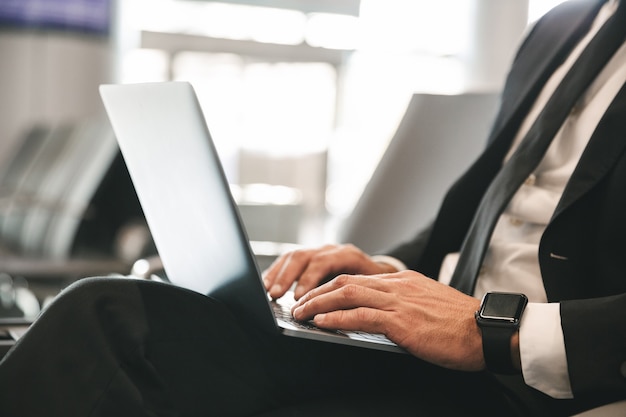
[[310, 267]]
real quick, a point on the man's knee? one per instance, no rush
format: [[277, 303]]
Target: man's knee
[[87, 295]]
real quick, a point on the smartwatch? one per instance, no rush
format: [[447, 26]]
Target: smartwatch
[[499, 318]]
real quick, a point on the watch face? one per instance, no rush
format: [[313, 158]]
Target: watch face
[[503, 306]]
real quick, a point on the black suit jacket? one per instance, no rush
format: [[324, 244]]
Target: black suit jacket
[[582, 253]]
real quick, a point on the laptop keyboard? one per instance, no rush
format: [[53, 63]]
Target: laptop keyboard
[[282, 311]]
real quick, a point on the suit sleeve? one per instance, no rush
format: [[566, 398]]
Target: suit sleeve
[[594, 331], [411, 252]]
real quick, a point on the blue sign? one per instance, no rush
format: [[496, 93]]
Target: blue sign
[[92, 16]]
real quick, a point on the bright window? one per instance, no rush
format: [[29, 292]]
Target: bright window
[[265, 104]]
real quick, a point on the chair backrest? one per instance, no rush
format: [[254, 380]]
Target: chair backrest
[[436, 140], [45, 189]]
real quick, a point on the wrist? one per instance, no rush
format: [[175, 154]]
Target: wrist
[[388, 263], [476, 343]]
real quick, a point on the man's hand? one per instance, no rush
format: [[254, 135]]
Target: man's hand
[[310, 267], [430, 320]]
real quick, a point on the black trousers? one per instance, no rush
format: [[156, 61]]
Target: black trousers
[[125, 347]]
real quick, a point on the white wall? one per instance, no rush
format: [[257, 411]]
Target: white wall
[[496, 31], [48, 77]]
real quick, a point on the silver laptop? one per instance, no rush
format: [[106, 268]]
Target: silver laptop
[[192, 216]]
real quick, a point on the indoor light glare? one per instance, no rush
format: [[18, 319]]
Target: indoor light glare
[[223, 20], [332, 31], [537, 8]]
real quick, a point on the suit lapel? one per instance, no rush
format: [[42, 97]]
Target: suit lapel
[[605, 147], [543, 51]]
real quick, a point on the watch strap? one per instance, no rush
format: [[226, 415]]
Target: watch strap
[[497, 349]]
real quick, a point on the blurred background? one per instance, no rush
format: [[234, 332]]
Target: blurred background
[[337, 121]]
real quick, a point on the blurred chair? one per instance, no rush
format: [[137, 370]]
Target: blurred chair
[[47, 193], [68, 210], [436, 140], [48, 186]]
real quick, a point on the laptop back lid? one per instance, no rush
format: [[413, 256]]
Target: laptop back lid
[[184, 194]]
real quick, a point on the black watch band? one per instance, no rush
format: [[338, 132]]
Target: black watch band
[[499, 318], [497, 349]]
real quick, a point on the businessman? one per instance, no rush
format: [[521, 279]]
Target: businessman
[[513, 302]]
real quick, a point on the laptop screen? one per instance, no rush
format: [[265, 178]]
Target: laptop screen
[[184, 193]]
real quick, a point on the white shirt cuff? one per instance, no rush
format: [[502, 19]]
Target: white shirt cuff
[[542, 350], [389, 260]]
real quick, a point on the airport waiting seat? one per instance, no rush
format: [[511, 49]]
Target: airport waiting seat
[[57, 192], [437, 139], [45, 189]]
